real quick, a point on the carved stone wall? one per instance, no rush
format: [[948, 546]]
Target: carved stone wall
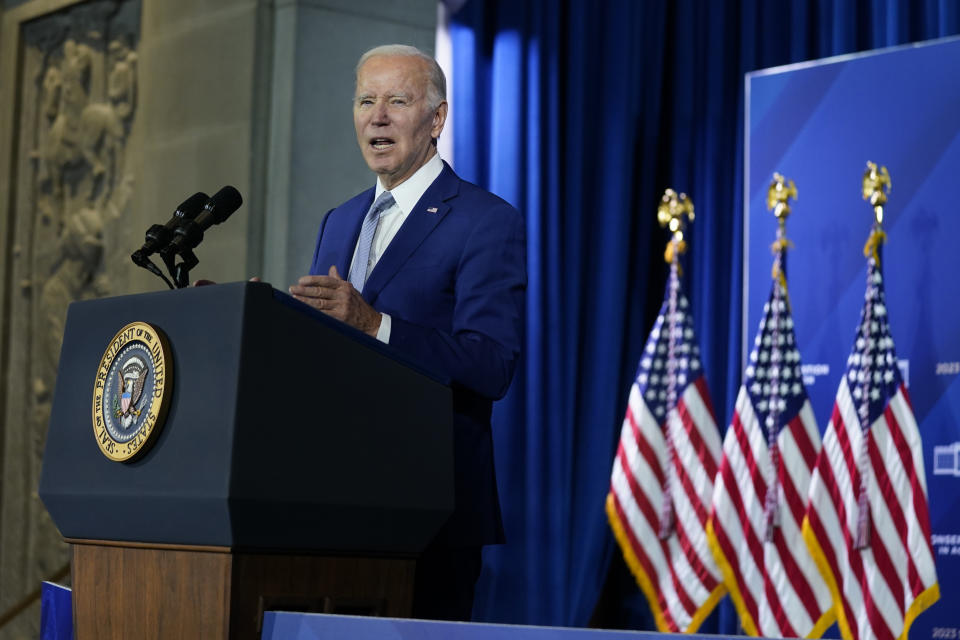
[[111, 113], [74, 128]]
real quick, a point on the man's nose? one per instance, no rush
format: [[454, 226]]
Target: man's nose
[[380, 113]]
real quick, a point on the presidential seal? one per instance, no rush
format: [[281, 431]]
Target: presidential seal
[[132, 391]]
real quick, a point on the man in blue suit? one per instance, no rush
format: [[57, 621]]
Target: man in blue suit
[[436, 267]]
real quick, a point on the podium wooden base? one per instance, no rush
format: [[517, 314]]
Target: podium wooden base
[[156, 592]]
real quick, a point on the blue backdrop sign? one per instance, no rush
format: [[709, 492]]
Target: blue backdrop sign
[[818, 124]]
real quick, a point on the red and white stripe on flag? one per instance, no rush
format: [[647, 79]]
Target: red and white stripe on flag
[[774, 584], [880, 589], [678, 574], [760, 493], [868, 522]]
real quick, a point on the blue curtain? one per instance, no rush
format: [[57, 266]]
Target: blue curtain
[[581, 113]]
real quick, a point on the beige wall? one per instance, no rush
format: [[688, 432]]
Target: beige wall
[[314, 161], [199, 118], [253, 93]]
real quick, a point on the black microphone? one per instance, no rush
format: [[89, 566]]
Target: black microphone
[[216, 210], [159, 235]]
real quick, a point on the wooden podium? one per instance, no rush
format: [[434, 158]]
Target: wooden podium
[[302, 466]]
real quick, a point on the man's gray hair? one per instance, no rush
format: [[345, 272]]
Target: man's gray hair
[[437, 85]]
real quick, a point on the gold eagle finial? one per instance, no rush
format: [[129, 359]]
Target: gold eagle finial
[[778, 196], [876, 186], [675, 212]]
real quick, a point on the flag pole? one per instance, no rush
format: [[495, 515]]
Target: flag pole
[[674, 212], [778, 200], [876, 185]]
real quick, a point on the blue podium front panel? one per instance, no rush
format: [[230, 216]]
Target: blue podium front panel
[[818, 124]]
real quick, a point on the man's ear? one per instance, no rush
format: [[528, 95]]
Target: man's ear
[[439, 118]]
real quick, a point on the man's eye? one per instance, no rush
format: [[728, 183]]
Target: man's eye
[[399, 102], [364, 102]]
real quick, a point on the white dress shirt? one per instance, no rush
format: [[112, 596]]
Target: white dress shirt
[[406, 195]]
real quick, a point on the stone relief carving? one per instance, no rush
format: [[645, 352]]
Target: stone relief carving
[[78, 102], [83, 182]]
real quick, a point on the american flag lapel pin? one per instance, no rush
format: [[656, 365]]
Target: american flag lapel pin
[[431, 209]]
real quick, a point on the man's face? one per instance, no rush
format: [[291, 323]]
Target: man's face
[[394, 122]]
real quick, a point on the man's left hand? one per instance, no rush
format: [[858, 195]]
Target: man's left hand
[[336, 297]]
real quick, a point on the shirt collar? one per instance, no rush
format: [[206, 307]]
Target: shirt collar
[[409, 192]]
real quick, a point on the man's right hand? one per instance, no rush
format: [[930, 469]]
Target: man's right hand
[[336, 297]]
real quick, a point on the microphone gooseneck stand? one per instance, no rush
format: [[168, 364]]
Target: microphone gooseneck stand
[[142, 260], [181, 235], [180, 271]]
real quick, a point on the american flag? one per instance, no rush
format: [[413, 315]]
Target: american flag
[[669, 446], [760, 492], [867, 522]]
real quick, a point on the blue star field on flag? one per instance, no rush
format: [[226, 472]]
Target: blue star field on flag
[[773, 378], [872, 370], [652, 372]]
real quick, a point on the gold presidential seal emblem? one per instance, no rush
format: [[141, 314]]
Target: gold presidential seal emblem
[[132, 391]]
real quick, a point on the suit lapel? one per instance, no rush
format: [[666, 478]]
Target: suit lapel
[[426, 215]]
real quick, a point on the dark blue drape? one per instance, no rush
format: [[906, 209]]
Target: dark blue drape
[[580, 113]]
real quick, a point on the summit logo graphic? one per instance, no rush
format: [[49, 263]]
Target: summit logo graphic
[[946, 460]]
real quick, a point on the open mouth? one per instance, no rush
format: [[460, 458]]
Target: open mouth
[[379, 144]]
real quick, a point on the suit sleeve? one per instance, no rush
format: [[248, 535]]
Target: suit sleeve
[[481, 351], [315, 267]]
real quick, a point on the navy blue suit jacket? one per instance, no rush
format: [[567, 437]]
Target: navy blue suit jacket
[[453, 281]]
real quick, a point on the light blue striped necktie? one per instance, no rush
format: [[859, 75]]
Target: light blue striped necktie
[[361, 258]]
